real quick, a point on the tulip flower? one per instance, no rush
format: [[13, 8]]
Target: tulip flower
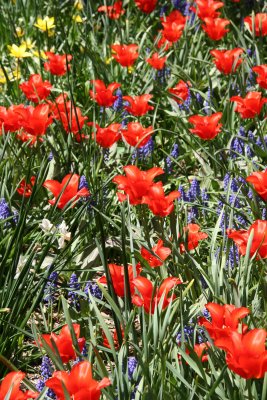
[[207, 127], [136, 135], [35, 89], [10, 118], [25, 189], [125, 55], [136, 183], [66, 191], [207, 8], [250, 106], [35, 120], [104, 95], [261, 71], [147, 6], [193, 236], [115, 339], [180, 92], [117, 277], [173, 26], [158, 203], [113, 12], [156, 61], [259, 242], [215, 27], [246, 353], [138, 104], [259, 181], [258, 23], [150, 298], [79, 383], [227, 61], [63, 342], [106, 137], [224, 319], [71, 119], [161, 253], [57, 64], [12, 381]]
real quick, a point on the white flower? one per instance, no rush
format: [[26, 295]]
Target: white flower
[[47, 226], [64, 234]]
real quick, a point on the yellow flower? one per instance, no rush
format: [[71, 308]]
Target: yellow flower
[[19, 31], [2, 77], [45, 24], [77, 19], [19, 51], [130, 70], [29, 44], [39, 54], [108, 60], [78, 5], [14, 75]]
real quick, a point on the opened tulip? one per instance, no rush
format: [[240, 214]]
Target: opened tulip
[[125, 55], [79, 383], [10, 387], [258, 23], [215, 27], [207, 127], [71, 119], [25, 189], [150, 298], [117, 277], [10, 118], [147, 6], [136, 135], [114, 11], [67, 191], [35, 89], [193, 236], [57, 64], [207, 8], [136, 184], [35, 120], [63, 342], [156, 61], [103, 94], [261, 71], [158, 203], [227, 61], [173, 26], [180, 92], [138, 104], [250, 106], [161, 253], [259, 242], [115, 339], [106, 137], [259, 182]]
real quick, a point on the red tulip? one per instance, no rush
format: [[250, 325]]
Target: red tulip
[[180, 92], [147, 6], [79, 383], [258, 23], [261, 70], [138, 104], [114, 11], [163, 42], [259, 181], [104, 95], [10, 119], [66, 191], [246, 353], [72, 119], [12, 381], [201, 350], [249, 106], [136, 183], [35, 120], [158, 203], [173, 26], [206, 127], [35, 89], [157, 62], [224, 319], [59, 105], [106, 137], [259, 241], [215, 27], [115, 339], [25, 189], [136, 135], [161, 252], [117, 277], [193, 236], [146, 298], [207, 8], [125, 55], [63, 342], [227, 61], [57, 64]]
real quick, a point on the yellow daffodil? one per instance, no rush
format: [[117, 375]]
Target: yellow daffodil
[[78, 5], [39, 54], [77, 19], [19, 51], [19, 31], [45, 24], [29, 44]]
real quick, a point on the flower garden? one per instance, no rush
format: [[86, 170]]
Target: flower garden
[[133, 217]]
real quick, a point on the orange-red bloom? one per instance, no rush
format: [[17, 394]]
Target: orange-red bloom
[[259, 181], [180, 92], [66, 191], [147, 6], [207, 8], [215, 27], [12, 381], [246, 353], [259, 24], [224, 319], [136, 135], [206, 127], [249, 106], [156, 62], [150, 298], [158, 203], [10, 119], [201, 350], [138, 104], [259, 241], [104, 95], [71, 119], [115, 339], [106, 137], [117, 277], [79, 383], [136, 183], [261, 71], [35, 120], [227, 61], [161, 253], [125, 55], [193, 236], [57, 64], [35, 89], [63, 342], [114, 11], [25, 189], [173, 26]]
